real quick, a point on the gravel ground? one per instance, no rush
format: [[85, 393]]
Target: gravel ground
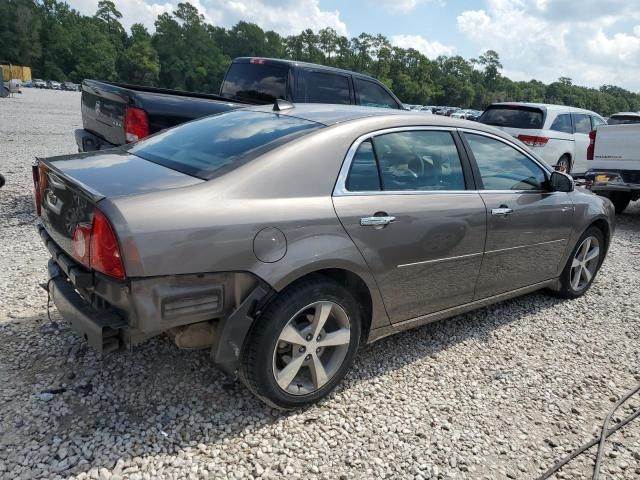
[[500, 393]]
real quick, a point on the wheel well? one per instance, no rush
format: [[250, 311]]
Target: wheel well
[[567, 155], [603, 226], [356, 286]]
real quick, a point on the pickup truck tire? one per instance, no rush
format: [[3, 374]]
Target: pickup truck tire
[[564, 164], [303, 344], [583, 264], [620, 200]]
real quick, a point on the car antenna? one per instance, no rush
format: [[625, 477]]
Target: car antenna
[[280, 104]]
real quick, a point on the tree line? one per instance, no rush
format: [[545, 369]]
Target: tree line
[[185, 52]]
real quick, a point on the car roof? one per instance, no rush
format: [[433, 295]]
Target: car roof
[[330, 114], [548, 107], [295, 63]]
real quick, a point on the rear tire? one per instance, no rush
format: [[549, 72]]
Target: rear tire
[[294, 357], [620, 201], [564, 164], [583, 264]]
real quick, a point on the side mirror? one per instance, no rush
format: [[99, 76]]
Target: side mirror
[[561, 182]]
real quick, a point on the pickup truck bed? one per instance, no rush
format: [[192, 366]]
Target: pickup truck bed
[[105, 104]]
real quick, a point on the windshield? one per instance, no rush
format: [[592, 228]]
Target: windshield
[[623, 119], [212, 146], [255, 82], [513, 117]]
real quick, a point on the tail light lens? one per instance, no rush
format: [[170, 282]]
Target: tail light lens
[[259, 61], [96, 246], [533, 141], [136, 124], [592, 144]]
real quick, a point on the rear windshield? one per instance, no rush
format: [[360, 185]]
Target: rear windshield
[[513, 117], [255, 82], [623, 119], [215, 145]]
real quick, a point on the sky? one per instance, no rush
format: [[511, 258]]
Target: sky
[[594, 42]]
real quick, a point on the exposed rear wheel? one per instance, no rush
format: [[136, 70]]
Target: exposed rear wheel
[[564, 164], [303, 344], [583, 264]]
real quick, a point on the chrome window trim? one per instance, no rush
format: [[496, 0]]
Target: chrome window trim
[[340, 189]]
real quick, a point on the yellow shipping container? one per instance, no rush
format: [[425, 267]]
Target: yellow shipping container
[[16, 72]]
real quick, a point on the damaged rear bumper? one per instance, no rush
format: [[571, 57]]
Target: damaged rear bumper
[[113, 315]]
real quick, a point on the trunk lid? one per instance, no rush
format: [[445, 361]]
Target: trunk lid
[[71, 186]]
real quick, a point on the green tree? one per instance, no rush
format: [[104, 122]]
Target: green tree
[[140, 63]]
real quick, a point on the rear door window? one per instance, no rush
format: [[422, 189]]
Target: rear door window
[[255, 82], [363, 174], [562, 123], [370, 94], [212, 146], [324, 87], [502, 167], [513, 117], [581, 122]]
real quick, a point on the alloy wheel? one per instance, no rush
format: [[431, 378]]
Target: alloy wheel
[[311, 348], [585, 263]]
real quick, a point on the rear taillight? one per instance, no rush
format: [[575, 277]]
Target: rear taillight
[[533, 141], [37, 198], [96, 246], [592, 144], [136, 124]]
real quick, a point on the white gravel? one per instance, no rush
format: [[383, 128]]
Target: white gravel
[[500, 393]]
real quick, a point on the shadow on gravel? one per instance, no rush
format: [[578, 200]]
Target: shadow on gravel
[[158, 400], [17, 207]]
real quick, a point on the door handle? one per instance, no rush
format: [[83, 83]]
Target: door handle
[[376, 221], [503, 211]]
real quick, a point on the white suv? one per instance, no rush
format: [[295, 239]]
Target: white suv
[[557, 133]]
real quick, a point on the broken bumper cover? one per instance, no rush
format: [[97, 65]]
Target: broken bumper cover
[[113, 315], [101, 329]]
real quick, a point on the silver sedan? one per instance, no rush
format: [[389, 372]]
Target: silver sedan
[[282, 238]]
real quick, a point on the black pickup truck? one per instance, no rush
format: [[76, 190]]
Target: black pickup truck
[[114, 114]]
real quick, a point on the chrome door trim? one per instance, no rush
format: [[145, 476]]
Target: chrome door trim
[[439, 260], [340, 189], [525, 246], [376, 221]]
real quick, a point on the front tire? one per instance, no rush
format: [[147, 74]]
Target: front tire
[[583, 264], [303, 344]]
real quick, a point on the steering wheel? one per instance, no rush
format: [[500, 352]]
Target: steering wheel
[[416, 166]]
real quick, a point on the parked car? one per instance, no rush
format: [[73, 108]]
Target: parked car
[[559, 134], [614, 160], [39, 83], [624, 118], [284, 237], [70, 86], [115, 114], [53, 85]]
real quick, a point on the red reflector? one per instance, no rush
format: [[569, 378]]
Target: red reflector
[[81, 244], [136, 124], [592, 144], [533, 141], [259, 61], [37, 198], [105, 253]]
